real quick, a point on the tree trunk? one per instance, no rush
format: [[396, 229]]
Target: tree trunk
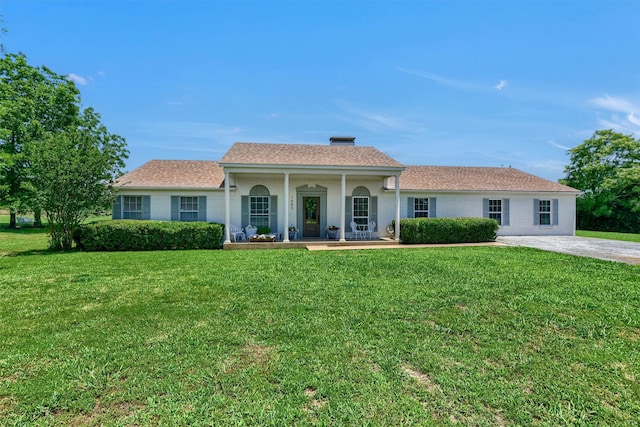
[[37, 218], [12, 220]]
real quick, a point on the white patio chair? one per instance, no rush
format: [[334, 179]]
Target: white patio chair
[[236, 232], [356, 231], [370, 229]]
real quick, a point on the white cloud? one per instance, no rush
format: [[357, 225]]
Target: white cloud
[[501, 85], [454, 83], [624, 115], [372, 120], [77, 79], [560, 146], [614, 104], [445, 81]]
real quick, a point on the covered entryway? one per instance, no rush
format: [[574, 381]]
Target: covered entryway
[[311, 212], [311, 225]]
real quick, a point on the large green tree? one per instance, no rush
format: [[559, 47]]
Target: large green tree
[[34, 101], [72, 171], [606, 168]]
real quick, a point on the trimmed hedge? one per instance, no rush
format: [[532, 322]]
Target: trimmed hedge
[[134, 235], [447, 230]]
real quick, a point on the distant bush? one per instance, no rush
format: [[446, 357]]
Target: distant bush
[[133, 235], [447, 230]]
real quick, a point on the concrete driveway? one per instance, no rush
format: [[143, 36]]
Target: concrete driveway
[[610, 250]]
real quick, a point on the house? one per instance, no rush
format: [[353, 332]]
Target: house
[[313, 186]]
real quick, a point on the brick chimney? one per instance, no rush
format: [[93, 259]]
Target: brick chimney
[[342, 140]]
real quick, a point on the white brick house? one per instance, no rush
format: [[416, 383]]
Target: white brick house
[[313, 186]]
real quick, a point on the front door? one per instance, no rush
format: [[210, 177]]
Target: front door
[[311, 206]]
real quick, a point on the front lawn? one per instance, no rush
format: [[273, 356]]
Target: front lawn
[[474, 336], [627, 237]]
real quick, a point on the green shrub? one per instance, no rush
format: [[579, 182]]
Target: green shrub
[[132, 235], [263, 230], [447, 230]]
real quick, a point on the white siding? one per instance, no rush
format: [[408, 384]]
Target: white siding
[[521, 219], [521, 211], [161, 202]]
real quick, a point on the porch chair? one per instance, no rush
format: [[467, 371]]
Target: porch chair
[[370, 229], [236, 232], [355, 231]]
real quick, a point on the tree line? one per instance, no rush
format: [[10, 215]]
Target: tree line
[[606, 169], [56, 157]]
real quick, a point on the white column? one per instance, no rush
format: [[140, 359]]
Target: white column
[[286, 208], [397, 231], [227, 208], [343, 190]]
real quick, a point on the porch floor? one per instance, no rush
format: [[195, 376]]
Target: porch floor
[[336, 245], [313, 244]]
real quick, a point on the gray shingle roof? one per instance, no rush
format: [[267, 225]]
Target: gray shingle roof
[[460, 178], [205, 174], [307, 155], [174, 174]]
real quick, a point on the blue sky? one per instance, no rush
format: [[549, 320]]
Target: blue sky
[[472, 83]]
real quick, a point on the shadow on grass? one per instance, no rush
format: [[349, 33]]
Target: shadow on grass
[[29, 240], [23, 229], [33, 252], [24, 240]]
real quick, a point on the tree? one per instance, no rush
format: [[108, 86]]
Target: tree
[[72, 171], [606, 168], [33, 101]]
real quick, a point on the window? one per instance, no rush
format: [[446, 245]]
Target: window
[[360, 205], [361, 210], [188, 208], [495, 210], [132, 207], [259, 206], [259, 215], [421, 207], [544, 212]]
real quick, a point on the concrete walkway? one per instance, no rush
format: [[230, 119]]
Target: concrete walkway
[[609, 250]]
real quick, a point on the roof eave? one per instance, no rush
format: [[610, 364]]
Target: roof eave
[[422, 190], [164, 187]]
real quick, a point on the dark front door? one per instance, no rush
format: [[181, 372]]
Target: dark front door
[[311, 206]]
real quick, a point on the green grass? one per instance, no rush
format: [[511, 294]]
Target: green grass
[[473, 336], [23, 240], [627, 237], [26, 239]]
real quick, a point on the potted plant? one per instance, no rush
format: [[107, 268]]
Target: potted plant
[[332, 231], [263, 238], [264, 230], [263, 235], [292, 232]]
